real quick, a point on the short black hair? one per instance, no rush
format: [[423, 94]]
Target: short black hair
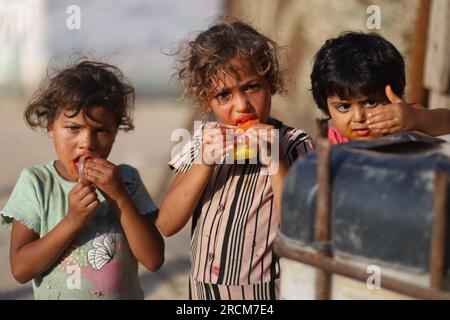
[[356, 63]]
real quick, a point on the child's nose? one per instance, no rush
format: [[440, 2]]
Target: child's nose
[[241, 102], [359, 114], [87, 141]]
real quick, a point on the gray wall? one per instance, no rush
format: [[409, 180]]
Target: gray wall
[[127, 33]]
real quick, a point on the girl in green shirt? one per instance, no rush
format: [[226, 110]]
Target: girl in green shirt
[[80, 223]]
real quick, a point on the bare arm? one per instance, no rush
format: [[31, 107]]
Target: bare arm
[[399, 116], [434, 122], [146, 243], [31, 256], [277, 181], [275, 163], [182, 198], [180, 201]]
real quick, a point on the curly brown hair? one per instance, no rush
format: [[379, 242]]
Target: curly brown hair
[[79, 88], [200, 61]]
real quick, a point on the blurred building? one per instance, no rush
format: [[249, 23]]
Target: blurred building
[[130, 34]]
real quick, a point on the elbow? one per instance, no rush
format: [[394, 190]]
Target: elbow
[[156, 265], [19, 275], [165, 229]]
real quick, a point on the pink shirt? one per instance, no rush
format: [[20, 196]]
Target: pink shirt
[[335, 136]]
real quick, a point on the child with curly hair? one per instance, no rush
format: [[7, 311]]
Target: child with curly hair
[[80, 223], [232, 71]]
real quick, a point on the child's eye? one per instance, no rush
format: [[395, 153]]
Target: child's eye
[[223, 97], [102, 130], [344, 107], [72, 128], [253, 87], [371, 103]]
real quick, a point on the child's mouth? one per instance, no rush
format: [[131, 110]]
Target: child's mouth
[[361, 132], [243, 120], [81, 160]]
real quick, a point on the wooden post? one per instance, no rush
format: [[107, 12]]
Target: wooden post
[[322, 234], [437, 66], [416, 90], [439, 231]]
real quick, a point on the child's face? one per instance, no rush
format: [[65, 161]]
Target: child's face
[[350, 115], [74, 137], [238, 100]]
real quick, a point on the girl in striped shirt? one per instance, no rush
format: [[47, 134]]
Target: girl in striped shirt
[[232, 71]]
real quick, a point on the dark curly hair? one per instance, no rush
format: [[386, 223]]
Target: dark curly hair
[[200, 61], [356, 63], [79, 88]]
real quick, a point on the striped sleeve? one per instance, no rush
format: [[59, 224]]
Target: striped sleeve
[[182, 161], [296, 143]]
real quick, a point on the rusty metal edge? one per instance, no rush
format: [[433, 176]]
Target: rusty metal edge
[[439, 231], [287, 250]]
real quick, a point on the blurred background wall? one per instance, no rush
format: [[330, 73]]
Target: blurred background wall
[[127, 33]]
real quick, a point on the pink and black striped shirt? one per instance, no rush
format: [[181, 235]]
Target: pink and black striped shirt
[[235, 224]]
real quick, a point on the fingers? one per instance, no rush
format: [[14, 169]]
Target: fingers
[[94, 204], [393, 98], [213, 135], [388, 126], [210, 125], [97, 170], [89, 199], [78, 186], [377, 118], [100, 163], [94, 173], [84, 192]]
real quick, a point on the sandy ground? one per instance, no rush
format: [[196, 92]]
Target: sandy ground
[[147, 148]]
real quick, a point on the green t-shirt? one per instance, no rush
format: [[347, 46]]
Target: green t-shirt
[[99, 263]]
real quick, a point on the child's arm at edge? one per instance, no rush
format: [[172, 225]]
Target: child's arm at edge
[[399, 116], [31, 256], [180, 201], [434, 122], [146, 243]]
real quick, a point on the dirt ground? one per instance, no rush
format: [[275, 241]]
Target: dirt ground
[[147, 148]]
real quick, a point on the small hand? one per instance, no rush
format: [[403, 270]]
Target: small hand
[[82, 203], [266, 140], [216, 143], [397, 116], [106, 177]]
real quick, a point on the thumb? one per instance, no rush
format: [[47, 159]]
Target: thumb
[[83, 182], [393, 98]]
